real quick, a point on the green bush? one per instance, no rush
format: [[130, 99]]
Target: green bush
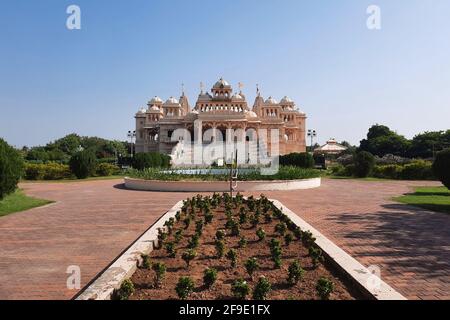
[[126, 290], [47, 171], [83, 163], [105, 169], [324, 288], [11, 168], [143, 161], [416, 170], [184, 287], [301, 160], [296, 273], [364, 163], [251, 265], [209, 277], [262, 289], [441, 167], [160, 273], [240, 289]]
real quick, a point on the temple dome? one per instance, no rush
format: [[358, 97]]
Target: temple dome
[[286, 100], [252, 114], [271, 100], [221, 84], [156, 100], [172, 100]]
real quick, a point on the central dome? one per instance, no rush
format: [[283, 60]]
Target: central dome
[[221, 84]]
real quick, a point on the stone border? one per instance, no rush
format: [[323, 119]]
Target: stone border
[[356, 273], [220, 186], [102, 287]]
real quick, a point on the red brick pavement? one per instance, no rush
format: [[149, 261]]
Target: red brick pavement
[[93, 221]]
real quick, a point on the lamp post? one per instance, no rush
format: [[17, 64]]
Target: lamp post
[[312, 134], [131, 135]]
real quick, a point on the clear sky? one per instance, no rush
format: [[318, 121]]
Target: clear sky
[[54, 81]]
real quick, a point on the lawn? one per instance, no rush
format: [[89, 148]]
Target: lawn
[[431, 198], [18, 201]]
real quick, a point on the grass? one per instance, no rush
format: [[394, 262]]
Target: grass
[[362, 179], [18, 201], [431, 198]]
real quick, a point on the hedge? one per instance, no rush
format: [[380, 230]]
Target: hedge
[[47, 171], [143, 161], [301, 160], [11, 168], [106, 169], [364, 162]]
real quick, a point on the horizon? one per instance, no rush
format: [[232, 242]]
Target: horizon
[[344, 76]]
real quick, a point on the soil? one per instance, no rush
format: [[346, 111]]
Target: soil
[[143, 279]]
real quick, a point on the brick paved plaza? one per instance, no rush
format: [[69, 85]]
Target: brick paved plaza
[[92, 222]]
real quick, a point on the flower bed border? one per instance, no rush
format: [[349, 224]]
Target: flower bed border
[[221, 186], [104, 285]]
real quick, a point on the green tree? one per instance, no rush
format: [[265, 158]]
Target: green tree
[[364, 164], [381, 141], [441, 167], [11, 168], [83, 164]]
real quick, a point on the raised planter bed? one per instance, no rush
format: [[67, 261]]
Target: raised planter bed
[[350, 279], [220, 186]]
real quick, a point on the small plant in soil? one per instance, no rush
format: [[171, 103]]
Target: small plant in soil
[[126, 290], [232, 256], [208, 217], [194, 241], [254, 220], [295, 273], [261, 234], [240, 289], [199, 227], [262, 289], [268, 217], [209, 277], [160, 273], [178, 236], [251, 265], [275, 251], [188, 256], [220, 235], [298, 233], [220, 248], [146, 264], [243, 218], [288, 238], [184, 287], [242, 243], [281, 228], [325, 288], [170, 249], [162, 236], [316, 256], [234, 227], [187, 222], [308, 239], [169, 225], [178, 216]]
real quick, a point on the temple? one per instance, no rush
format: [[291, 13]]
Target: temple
[[221, 109]]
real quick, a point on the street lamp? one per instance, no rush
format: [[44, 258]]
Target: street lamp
[[131, 135], [312, 134]]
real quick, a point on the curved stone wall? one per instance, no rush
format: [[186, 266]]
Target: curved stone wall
[[220, 186]]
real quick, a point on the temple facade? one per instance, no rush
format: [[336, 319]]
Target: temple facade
[[221, 109]]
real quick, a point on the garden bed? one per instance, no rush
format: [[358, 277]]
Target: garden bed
[[310, 281]]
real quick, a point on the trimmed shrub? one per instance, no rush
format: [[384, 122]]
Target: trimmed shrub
[[324, 288], [209, 277], [11, 168], [240, 289], [185, 287], [301, 160], [143, 161], [262, 289], [364, 163], [126, 290], [441, 167], [47, 171], [106, 169], [83, 163]]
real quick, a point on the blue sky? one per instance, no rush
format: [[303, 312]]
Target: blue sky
[[345, 77]]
